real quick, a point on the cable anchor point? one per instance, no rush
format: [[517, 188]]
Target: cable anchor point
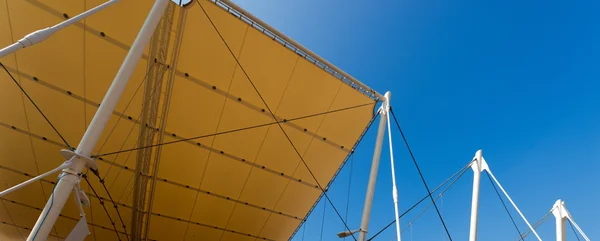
[[70, 155]]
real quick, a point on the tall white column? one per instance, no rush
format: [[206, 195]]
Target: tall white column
[[364, 223], [476, 166], [80, 159]]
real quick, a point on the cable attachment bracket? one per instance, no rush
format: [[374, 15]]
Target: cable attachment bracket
[[70, 155], [479, 164], [385, 107]]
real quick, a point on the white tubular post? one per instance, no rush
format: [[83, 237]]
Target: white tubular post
[[511, 201], [561, 220], [12, 48], [42, 34], [25, 183], [477, 167], [66, 181], [91, 136], [81, 157], [386, 110], [561, 214], [364, 223]]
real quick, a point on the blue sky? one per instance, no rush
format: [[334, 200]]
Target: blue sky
[[518, 79]]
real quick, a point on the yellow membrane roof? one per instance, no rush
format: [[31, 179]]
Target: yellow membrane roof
[[204, 97]]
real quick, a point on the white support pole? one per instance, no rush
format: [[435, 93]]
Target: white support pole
[[25, 183], [66, 181], [42, 34], [364, 223], [386, 109], [561, 234], [561, 220], [477, 167], [561, 214], [70, 177], [91, 136]]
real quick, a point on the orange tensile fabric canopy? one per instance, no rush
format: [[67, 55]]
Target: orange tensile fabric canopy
[[192, 151]]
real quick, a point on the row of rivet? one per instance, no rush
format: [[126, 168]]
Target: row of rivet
[[60, 215], [368, 92], [191, 142], [167, 181], [26, 228], [101, 200], [253, 107]]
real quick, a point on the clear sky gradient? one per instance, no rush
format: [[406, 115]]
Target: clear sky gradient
[[518, 79]]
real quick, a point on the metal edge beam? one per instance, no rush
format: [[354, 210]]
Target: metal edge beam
[[257, 21], [158, 50], [165, 111]]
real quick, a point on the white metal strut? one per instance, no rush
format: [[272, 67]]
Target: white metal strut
[[479, 165]]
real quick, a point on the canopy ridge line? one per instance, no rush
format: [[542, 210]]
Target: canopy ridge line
[[61, 215], [27, 229], [261, 167], [237, 130], [252, 21], [23, 131], [67, 92], [292, 45], [101, 199], [350, 154], [349, 96], [249, 105], [285, 121], [124, 46], [112, 163], [214, 227], [273, 115], [213, 194]]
